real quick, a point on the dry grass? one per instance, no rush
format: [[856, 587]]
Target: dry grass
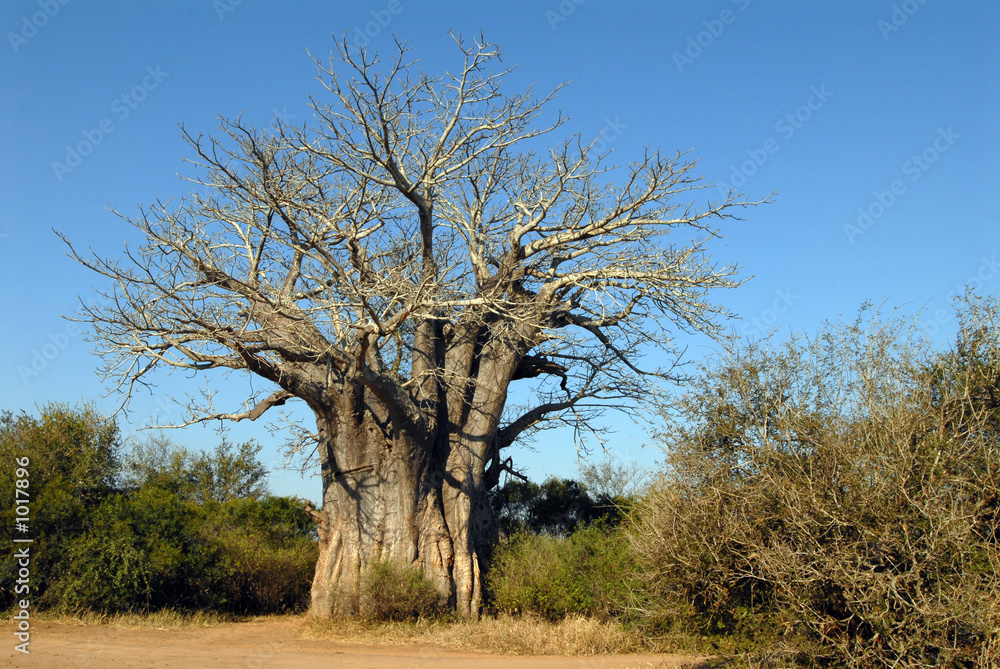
[[504, 634], [165, 619]]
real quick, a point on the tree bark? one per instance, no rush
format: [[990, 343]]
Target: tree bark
[[390, 496]]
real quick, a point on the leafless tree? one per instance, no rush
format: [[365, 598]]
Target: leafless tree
[[609, 479], [398, 267]]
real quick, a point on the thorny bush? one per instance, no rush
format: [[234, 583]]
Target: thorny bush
[[836, 496]]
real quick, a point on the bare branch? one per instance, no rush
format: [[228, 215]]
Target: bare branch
[[404, 259]]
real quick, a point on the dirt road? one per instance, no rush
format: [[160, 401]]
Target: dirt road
[[265, 644]]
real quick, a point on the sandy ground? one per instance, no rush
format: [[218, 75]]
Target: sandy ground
[[263, 644]]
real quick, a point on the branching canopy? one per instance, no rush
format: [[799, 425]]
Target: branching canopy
[[412, 244]]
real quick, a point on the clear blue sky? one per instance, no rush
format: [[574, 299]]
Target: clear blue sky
[[877, 124]]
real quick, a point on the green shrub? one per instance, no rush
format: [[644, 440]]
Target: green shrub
[[140, 551], [276, 518], [262, 555], [585, 574], [251, 575], [150, 549], [74, 464], [391, 591], [109, 574], [168, 530]]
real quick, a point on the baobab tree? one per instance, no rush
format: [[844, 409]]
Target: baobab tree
[[399, 267]]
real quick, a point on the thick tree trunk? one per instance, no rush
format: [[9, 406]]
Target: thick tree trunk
[[389, 497]]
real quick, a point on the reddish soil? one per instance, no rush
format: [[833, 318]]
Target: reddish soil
[[268, 643]]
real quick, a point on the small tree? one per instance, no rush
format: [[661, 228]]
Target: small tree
[[610, 480], [555, 507], [398, 267], [226, 473]]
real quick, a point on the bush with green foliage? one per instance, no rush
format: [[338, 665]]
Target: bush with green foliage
[[391, 591], [263, 555], [151, 549], [586, 573], [74, 457], [140, 551], [837, 495], [562, 551], [165, 528]]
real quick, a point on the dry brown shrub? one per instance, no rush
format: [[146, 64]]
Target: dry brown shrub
[[162, 619], [839, 496]]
